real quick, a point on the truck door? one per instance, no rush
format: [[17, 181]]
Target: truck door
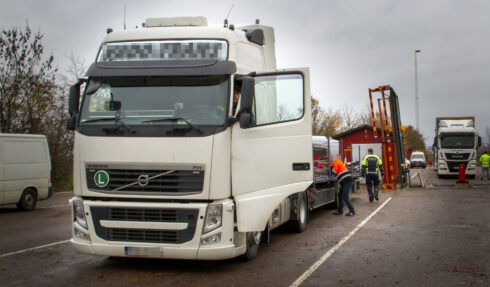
[[271, 157]]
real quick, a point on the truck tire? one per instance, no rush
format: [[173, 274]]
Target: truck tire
[[28, 200], [253, 242], [299, 225]]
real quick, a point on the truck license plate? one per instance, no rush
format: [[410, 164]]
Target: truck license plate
[[142, 251]]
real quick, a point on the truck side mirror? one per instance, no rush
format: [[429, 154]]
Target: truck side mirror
[[73, 102], [74, 99], [246, 102], [479, 141]]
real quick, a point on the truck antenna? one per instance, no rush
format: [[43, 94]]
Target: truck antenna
[[227, 15], [124, 17]]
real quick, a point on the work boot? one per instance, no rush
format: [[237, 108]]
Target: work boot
[[370, 199], [376, 197], [337, 212]]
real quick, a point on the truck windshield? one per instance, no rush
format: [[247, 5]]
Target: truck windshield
[[195, 101], [458, 140]]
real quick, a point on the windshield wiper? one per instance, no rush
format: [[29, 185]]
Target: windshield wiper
[[98, 120], [117, 120], [189, 124]]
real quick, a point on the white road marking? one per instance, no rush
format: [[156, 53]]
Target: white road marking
[[53, 206], [34, 248], [331, 251]]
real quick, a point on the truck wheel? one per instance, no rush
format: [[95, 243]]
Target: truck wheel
[[299, 225], [28, 200], [253, 241]]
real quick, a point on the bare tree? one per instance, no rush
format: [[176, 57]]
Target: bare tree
[[32, 98], [27, 83]]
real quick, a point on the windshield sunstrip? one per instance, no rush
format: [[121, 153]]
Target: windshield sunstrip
[[164, 50]]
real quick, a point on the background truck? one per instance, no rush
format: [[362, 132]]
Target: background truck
[[25, 170], [455, 143], [165, 167]]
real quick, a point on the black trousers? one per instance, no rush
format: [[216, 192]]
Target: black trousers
[[371, 179]]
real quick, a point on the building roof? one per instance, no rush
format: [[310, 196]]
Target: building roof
[[354, 130]]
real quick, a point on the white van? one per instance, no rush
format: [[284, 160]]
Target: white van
[[25, 170]]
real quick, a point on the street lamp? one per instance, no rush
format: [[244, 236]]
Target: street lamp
[[416, 92]]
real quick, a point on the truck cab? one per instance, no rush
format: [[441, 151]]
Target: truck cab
[[455, 143], [166, 165]]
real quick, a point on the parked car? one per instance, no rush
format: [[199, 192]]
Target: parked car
[[417, 159], [25, 170]]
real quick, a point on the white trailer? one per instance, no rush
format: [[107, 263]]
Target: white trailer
[[25, 170], [455, 143], [164, 167]]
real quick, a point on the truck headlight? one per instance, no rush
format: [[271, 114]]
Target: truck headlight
[[81, 234], [213, 217], [79, 213], [213, 239]]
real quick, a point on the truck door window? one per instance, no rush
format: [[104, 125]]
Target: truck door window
[[278, 98]]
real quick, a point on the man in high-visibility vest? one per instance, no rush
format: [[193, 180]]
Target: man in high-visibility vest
[[371, 164], [485, 164]]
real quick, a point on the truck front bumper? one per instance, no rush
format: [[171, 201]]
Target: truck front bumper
[[167, 252], [451, 168], [125, 235]]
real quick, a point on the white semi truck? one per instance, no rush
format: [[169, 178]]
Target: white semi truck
[[455, 143], [166, 167]]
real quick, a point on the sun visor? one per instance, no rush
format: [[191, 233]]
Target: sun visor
[[162, 68]]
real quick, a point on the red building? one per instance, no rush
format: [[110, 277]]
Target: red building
[[360, 135]]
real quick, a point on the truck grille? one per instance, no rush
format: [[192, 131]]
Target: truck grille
[[138, 214], [457, 156], [454, 165], [188, 216], [133, 235], [153, 181]]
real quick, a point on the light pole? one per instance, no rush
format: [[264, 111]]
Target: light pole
[[416, 92]]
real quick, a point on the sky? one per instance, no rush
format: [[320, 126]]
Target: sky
[[350, 46]]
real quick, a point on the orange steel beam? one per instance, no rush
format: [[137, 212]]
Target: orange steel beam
[[383, 146], [372, 112], [390, 151]]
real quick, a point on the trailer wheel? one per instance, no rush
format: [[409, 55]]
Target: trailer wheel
[[253, 242], [299, 225], [27, 200]]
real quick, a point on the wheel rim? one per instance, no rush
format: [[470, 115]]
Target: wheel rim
[[28, 200], [256, 237]]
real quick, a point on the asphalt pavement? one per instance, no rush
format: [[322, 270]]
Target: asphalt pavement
[[437, 236]]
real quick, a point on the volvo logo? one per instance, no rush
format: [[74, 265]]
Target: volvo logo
[[143, 180]]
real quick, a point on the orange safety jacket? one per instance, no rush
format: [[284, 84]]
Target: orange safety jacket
[[341, 171]]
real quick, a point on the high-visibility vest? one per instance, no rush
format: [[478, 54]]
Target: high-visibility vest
[[339, 169], [485, 160], [371, 163]]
